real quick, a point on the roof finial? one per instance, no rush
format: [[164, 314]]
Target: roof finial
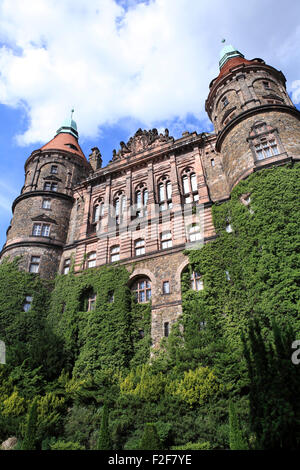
[[72, 111], [223, 40]]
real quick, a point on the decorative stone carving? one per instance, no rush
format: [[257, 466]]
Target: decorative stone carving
[[141, 141]]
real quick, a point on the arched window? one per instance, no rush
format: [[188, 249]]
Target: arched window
[[264, 141], [115, 253], [98, 211], [142, 290], [120, 207], [139, 247], [91, 259], [141, 200], [189, 186], [196, 281], [164, 193], [194, 233]]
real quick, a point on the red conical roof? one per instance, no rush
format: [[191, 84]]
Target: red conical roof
[[64, 141]]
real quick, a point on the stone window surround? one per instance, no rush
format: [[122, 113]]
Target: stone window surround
[[268, 134]]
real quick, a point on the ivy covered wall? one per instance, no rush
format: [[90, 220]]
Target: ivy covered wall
[[74, 359]]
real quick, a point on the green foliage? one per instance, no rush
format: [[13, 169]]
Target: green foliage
[[274, 404], [196, 387], [30, 438], [104, 442], [236, 440], [69, 445], [150, 439], [193, 446]]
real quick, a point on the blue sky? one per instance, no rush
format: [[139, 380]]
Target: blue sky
[[123, 65]]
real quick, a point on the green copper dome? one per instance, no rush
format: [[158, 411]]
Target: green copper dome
[[227, 53], [69, 126]]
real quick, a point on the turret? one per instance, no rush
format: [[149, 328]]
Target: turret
[[41, 213], [255, 120]]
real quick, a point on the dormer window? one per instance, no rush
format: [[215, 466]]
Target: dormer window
[[72, 146]]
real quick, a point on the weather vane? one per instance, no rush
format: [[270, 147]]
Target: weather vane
[[223, 40], [72, 111]]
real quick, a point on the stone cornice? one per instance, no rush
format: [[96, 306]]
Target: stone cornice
[[43, 194]]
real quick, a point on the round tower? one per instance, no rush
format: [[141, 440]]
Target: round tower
[[255, 121], [41, 213]]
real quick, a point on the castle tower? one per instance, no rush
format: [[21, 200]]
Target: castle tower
[[41, 213], [255, 121]]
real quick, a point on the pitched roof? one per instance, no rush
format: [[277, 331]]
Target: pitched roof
[[65, 141]]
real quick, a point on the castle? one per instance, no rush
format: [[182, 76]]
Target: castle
[[154, 198]]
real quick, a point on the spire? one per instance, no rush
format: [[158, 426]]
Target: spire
[[228, 52], [69, 126]]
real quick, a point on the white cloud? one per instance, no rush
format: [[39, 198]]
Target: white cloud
[[148, 61], [295, 87]]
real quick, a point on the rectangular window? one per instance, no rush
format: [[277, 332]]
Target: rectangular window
[[67, 266], [34, 264], [212, 162], [139, 247], [92, 302], [166, 287], [266, 85], [47, 186], [225, 101], [166, 329], [45, 230], [37, 229], [27, 304], [166, 240], [194, 182], [54, 170], [46, 204], [115, 254], [54, 187], [91, 260]]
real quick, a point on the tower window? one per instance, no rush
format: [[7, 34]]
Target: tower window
[[41, 230], [266, 85], [46, 204], [142, 290], [54, 170], [225, 101], [91, 259], [227, 275], [34, 264], [166, 240], [67, 266], [166, 287], [212, 162], [196, 281], [27, 304], [115, 253], [266, 149], [111, 297], [166, 329], [139, 246], [50, 186]]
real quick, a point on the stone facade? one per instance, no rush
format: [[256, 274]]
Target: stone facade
[[154, 198]]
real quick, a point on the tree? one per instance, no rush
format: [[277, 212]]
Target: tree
[[150, 439], [104, 442], [29, 441], [274, 381], [236, 440]]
